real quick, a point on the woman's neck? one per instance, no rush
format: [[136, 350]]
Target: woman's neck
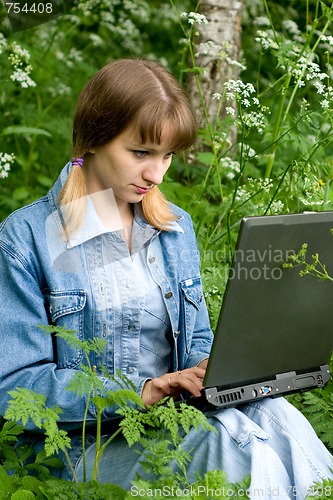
[[115, 215]]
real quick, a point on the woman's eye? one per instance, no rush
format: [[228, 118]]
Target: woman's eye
[[140, 154]]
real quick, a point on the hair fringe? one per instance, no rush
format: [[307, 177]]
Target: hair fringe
[[157, 211], [73, 201]]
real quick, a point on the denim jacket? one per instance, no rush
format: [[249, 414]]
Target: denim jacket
[[34, 290]]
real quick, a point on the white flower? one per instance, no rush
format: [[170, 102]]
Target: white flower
[[251, 152], [265, 41], [96, 40], [291, 26], [253, 119], [208, 48], [23, 78], [230, 175], [262, 21], [19, 59], [195, 18], [3, 43], [59, 88], [75, 55], [308, 202], [6, 159], [277, 207], [325, 104], [328, 39], [246, 103], [230, 111], [230, 164], [320, 87], [233, 62]]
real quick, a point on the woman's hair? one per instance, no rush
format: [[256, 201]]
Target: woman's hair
[[134, 93]]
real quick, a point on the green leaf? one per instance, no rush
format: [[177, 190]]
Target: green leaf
[[31, 484], [20, 193], [22, 495], [93, 489], [6, 483], [22, 130], [10, 431], [327, 11], [45, 181], [205, 157]]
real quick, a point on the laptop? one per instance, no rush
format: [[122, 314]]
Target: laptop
[[274, 335]]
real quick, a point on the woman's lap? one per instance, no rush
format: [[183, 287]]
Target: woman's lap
[[270, 440]]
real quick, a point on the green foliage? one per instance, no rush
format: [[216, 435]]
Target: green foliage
[[212, 486], [26, 488], [44, 68], [163, 414], [158, 429], [322, 491], [313, 268], [280, 160], [269, 148]]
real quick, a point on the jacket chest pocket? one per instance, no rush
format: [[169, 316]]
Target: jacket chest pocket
[[191, 297], [67, 310]]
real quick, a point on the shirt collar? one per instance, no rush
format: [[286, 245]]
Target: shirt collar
[[92, 226]]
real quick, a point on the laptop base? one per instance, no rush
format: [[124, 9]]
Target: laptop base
[[283, 384]]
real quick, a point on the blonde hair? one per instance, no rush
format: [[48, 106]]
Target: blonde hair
[[134, 93]]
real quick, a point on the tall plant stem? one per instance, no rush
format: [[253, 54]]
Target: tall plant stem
[[281, 113], [100, 451], [70, 465], [276, 132]]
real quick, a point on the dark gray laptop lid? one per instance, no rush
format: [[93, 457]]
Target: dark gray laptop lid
[[272, 320]]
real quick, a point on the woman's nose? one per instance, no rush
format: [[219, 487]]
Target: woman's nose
[[155, 172]]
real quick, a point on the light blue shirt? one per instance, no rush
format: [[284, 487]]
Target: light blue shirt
[[124, 291], [137, 340]]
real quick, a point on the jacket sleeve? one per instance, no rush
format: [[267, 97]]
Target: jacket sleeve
[[194, 323], [202, 337], [28, 355]]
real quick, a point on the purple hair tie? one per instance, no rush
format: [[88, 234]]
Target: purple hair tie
[[77, 161]]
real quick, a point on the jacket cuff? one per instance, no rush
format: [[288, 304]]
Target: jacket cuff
[[195, 359], [203, 359]]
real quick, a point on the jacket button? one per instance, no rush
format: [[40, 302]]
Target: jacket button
[[168, 295], [151, 260]]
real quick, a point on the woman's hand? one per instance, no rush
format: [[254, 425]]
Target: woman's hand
[[173, 384], [203, 363]]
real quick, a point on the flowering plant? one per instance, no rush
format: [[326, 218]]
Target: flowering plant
[[268, 149]]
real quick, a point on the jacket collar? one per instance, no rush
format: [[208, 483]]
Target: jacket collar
[[92, 225]]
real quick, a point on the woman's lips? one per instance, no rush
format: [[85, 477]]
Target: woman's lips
[[142, 190]]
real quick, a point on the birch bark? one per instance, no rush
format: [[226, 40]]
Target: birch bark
[[218, 44]]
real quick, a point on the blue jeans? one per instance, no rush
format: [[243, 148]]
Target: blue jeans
[[270, 440]]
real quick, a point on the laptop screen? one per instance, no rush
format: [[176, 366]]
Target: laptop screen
[[272, 320]]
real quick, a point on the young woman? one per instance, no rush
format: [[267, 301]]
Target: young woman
[[104, 254]]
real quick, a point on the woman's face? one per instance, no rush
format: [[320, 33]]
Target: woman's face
[[130, 168]]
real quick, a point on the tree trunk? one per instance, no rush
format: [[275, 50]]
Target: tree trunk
[[218, 44]]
